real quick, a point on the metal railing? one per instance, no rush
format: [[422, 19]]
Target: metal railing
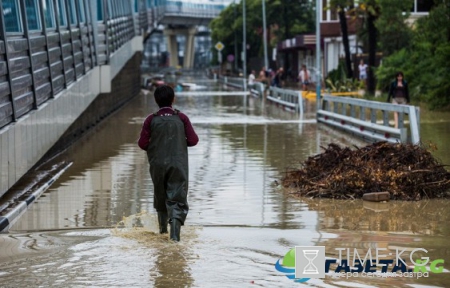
[[291, 99], [36, 65], [237, 82], [370, 119]]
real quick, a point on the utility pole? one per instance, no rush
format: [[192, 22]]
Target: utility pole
[[235, 42], [266, 62]]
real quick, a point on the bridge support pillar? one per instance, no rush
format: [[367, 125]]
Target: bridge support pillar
[[189, 51], [172, 46]]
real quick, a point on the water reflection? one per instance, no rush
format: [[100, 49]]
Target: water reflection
[[427, 217]]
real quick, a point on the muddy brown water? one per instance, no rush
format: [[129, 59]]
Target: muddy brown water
[[95, 226]]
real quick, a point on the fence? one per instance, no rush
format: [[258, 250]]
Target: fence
[[370, 119]]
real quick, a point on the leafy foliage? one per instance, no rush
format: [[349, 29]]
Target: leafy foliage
[[337, 80], [394, 33], [425, 62], [284, 18]]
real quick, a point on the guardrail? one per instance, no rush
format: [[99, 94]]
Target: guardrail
[[258, 89], [370, 119], [291, 99], [236, 82]]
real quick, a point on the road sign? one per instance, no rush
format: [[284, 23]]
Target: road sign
[[219, 46]]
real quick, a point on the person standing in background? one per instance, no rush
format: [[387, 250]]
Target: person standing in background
[[362, 68], [304, 77]]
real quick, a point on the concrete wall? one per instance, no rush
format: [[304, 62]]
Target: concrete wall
[[67, 116]]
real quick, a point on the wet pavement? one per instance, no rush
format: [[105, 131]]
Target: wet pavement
[[96, 224]]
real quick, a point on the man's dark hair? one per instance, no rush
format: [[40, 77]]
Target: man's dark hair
[[164, 96]]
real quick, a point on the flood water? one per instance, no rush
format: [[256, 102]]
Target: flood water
[[96, 224]]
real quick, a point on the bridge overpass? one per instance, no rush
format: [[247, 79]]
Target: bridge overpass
[[182, 17], [60, 61]]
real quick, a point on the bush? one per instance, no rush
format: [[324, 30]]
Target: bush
[[337, 80]]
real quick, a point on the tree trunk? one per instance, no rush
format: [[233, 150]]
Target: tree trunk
[[344, 31], [372, 31]]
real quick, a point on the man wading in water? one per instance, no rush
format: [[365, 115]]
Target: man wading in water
[[165, 135]]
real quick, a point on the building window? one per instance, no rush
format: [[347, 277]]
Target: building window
[[33, 18], [11, 15], [72, 13], [328, 13], [100, 10], [62, 12], [49, 14], [422, 6], [82, 11]]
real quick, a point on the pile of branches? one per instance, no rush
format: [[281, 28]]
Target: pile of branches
[[408, 172]]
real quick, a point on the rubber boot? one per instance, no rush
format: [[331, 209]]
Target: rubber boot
[[163, 219], [175, 228]]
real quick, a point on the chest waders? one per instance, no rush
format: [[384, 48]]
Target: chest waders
[[168, 157]]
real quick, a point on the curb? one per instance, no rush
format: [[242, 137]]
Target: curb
[[7, 220]]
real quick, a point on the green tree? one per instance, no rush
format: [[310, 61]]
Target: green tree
[[431, 55], [224, 28], [286, 17], [394, 33], [425, 61]]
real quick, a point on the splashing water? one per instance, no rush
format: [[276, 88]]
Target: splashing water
[[144, 228]]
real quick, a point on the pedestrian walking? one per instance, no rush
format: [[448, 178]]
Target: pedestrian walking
[[165, 135], [398, 91]]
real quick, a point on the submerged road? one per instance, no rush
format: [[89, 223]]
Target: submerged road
[[95, 226]]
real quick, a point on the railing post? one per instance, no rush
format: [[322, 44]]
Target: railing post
[[300, 103], [404, 135], [30, 54], [414, 124]]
